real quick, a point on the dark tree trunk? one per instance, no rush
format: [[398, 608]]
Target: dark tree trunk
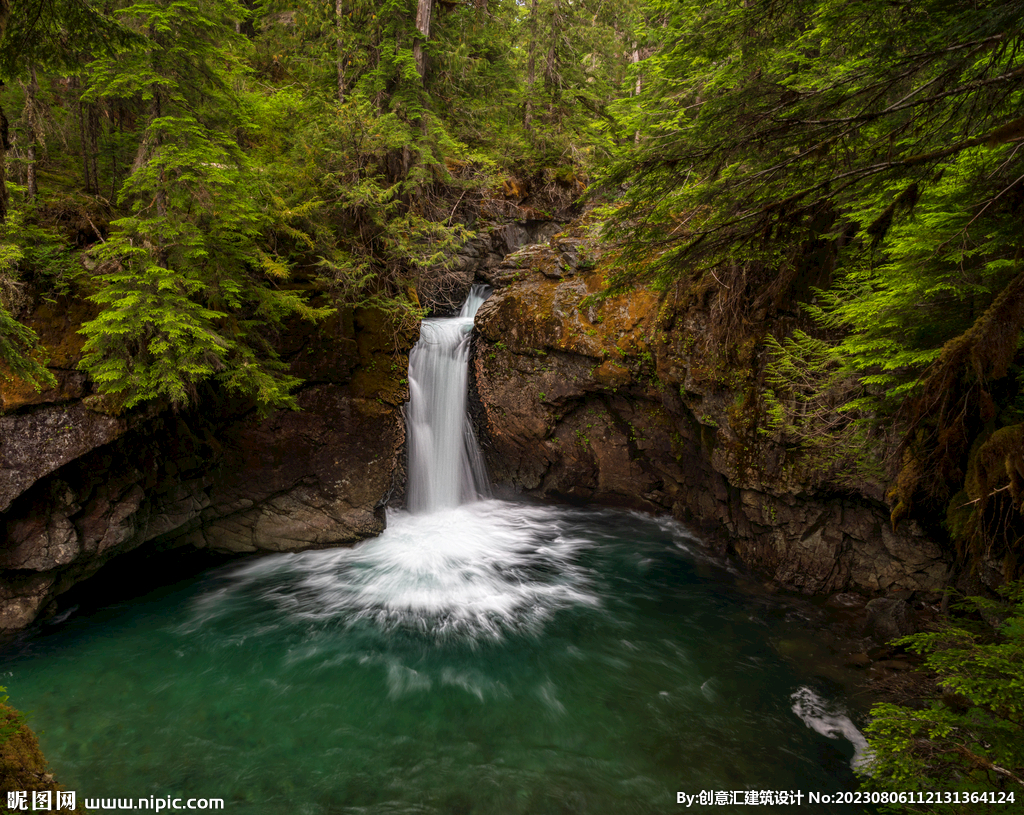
[[5, 145], [83, 135], [531, 67], [423, 11], [552, 74], [634, 60], [32, 120], [93, 121]]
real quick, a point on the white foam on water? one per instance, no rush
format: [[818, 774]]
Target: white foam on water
[[480, 570], [831, 722]]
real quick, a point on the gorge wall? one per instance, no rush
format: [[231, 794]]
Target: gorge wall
[[576, 400], [611, 402], [79, 486]]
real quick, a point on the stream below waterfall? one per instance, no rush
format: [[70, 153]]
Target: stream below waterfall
[[480, 657]]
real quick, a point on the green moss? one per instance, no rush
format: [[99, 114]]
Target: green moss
[[23, 767]]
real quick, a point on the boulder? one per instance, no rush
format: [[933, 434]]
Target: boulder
[[887, 618]]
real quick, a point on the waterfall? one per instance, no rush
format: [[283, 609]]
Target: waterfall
[[446, 467]]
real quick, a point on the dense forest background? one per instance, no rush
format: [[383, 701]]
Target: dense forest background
[[215, 157], [840, 184]]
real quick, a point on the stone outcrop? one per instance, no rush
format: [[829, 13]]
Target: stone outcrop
[[79, 486], [578, 399], [583, 399]]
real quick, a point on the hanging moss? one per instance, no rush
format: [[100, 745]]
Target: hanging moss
[[987, 517], [953, 406]]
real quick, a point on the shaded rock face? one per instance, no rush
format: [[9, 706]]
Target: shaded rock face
[[41, 441], [56, 324], [443, 294], [607, 402], [79, 487]]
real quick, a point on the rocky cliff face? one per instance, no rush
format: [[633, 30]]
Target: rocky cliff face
[[578, 400], [610, 401], [79, 486]]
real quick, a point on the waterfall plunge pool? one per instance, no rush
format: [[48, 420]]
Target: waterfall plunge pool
[[480, 657], [494, 657]]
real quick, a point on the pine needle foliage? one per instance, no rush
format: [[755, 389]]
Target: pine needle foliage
[[867, 160], [20, 353], [968, 739], [183, 285], [54, 33], [757, 116], [812, 402]]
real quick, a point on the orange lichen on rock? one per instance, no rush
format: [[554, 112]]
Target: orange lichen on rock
[[56, 324]]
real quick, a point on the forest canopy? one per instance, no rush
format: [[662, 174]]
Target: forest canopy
[[223, 167]]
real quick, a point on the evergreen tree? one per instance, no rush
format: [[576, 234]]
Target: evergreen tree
[[872, 145], [47, 34], [967, 741], [182, 289]]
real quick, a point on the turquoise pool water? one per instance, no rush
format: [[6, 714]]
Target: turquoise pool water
[[494, 658]]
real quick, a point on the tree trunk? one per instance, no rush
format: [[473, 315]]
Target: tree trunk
[[93, 131], [5, 145], [32, 120], [635, 59], [5, 15], [152, 141], [552, 78], [339, 52], [423, 10], [531, 68], [84, 139], [116, 129]]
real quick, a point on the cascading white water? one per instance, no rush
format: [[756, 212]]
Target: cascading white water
[[825, 719], [445, 465], [451, 567]]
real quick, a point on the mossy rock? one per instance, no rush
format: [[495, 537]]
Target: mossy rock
[[23, 767]]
